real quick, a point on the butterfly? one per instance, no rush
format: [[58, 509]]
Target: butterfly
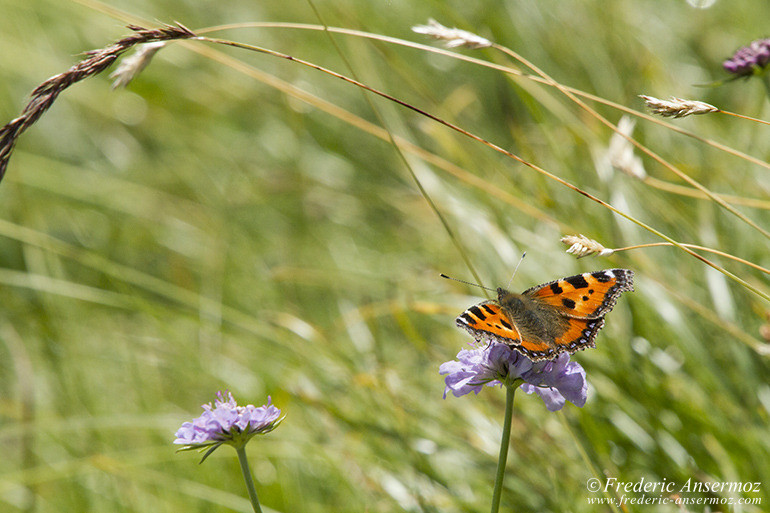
[[561, 316]]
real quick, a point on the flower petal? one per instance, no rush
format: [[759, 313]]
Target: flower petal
[[554, 381]]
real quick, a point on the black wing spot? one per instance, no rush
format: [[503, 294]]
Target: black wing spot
[[488, 309], [467, 319], [568, 303], [602, 276], [475, 310], [585, 298], [506, 324], [556, 289], [578, 281]]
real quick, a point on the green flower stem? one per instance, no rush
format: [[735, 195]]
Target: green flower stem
[[504, 443], [247, 477]]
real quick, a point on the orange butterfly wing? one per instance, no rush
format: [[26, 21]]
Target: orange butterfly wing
[[572, 310], [587, 295], [580, 334], [488, 321]]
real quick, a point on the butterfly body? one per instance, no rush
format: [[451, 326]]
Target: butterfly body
[[542, 322]]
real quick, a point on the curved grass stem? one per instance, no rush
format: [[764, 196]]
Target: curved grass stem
[[505, 69], [493, 146], [700, 248], [392, 139], [684, 176]]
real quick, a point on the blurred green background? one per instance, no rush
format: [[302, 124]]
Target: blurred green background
[[211, 228]]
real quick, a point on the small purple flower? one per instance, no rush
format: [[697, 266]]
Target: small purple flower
[[227, 423], [554, 381], [750, 59]]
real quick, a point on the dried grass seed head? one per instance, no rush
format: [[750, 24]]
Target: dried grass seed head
[[131, 66], [452, 37], [676, 107], [581, 246]]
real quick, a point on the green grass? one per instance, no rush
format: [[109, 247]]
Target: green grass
[[211, 227]]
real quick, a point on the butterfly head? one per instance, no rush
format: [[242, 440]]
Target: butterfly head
[[506, 297]]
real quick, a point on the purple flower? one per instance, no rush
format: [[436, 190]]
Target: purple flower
[[750, 59], [554, 381], [227, 423]]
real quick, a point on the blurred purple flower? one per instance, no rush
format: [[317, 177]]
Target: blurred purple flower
[[750, 59], [554, 381], [225, 422]]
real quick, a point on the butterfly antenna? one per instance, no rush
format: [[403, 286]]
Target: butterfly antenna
[[516, 269], [467, 282]]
